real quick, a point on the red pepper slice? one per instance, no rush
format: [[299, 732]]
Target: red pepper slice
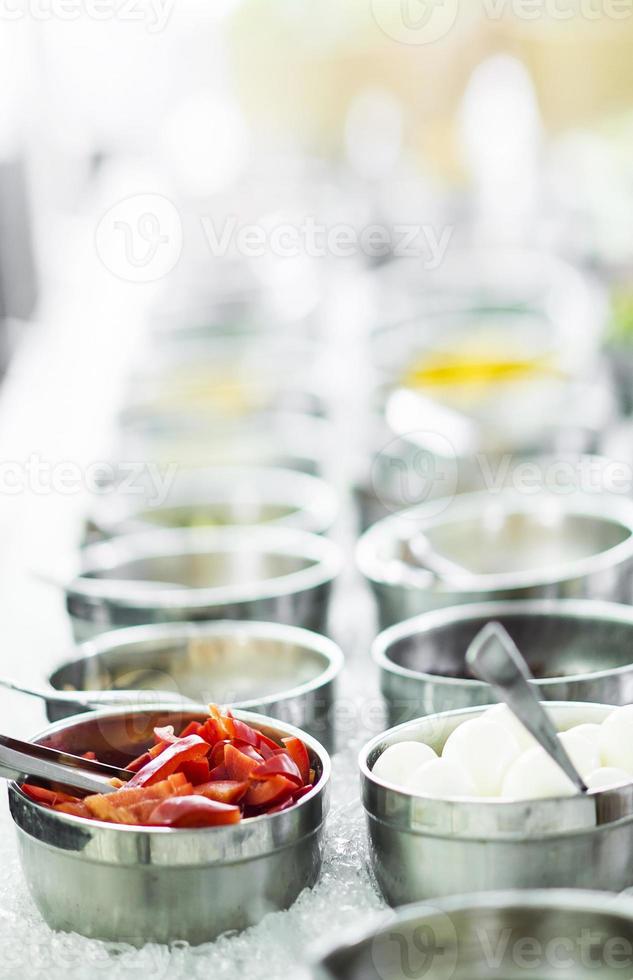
[[280, 764], [245, 733], [196, 771], [224, 791], [193, 728], [216, 756], [139, 762], [194, 811], [47, 797], [219, 773], [239, 764], [298, 752], [270, 792], [185, 749]]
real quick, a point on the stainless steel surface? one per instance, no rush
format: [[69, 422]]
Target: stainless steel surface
[[176, 575], [579, 650], [282, 671], [423, 848], [219, 496], [494, 658], [20, 759], [509, 546], [140, 884], [534, 935]]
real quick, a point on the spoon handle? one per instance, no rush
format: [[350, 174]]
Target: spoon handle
[[494, 658]]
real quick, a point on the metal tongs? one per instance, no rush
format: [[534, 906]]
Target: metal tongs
[[20, 760]]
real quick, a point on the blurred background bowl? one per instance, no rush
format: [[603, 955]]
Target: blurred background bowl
[[282, 671], [507, 545], [218, 497], [177, 575], [577, 651]]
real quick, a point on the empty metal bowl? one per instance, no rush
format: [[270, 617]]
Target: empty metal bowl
[[423, 848], [177, 575], [149, 884], [577, 650], [506, 545], [218, 497], [534, 935], [281, 671]]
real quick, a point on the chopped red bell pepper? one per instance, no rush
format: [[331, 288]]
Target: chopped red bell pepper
[[298, 752], [196, 771], [239, 764], [279, 765], [183, 750], [194, 811], [270, 792], [224, 791], [213, 773]]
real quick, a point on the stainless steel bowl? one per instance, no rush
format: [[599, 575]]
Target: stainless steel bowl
[[423, 848], [281, 671], [505, 545], [178, 575], [578, 650], [534, 935], [218, 496], [269, 438], [142, 884]]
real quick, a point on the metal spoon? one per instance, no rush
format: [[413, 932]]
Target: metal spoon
[[19, 759], [91, 700], [493, 657]]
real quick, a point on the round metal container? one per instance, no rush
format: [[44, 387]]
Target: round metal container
[[577, 650], [288, 439], [258, 573], [423, 848], [281, 671], [149, 884], [219, 496], [534, 935], [506, 545], [229, 375]]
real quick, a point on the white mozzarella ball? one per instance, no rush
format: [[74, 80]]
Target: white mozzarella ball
[[485, 750], [502, 715], [588, 731], [534, 776], [442, 780], [584, 753], [616, 739], [398, 762], [607, 778]]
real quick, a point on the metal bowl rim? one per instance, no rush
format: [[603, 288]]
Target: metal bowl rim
[[424, 623], [303, 492], [610, 509], [326, 556], [575, 900], [316, 642], [247, 716]]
